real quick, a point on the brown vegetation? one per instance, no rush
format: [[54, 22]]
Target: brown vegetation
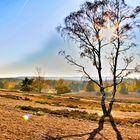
[[51, 122]]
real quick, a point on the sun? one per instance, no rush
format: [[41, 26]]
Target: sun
[[109, 31]]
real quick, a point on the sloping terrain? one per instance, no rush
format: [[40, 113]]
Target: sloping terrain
[[51, 127]]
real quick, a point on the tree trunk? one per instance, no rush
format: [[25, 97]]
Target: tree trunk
[[110, 106], [105, 113]]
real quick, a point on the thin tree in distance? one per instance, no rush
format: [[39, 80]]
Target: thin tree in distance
[[39, 79], [99, 27]]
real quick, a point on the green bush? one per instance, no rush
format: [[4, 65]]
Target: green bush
[[61, 87], [26, 84], [49, 96], [123, 90], [90, 86], [65, 113]]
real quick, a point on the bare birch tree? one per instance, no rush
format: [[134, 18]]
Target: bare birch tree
[[99, 26]]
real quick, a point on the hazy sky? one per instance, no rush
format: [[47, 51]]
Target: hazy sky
[[28, 37]]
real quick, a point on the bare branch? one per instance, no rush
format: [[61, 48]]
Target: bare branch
[[127, 71], [70, 60]]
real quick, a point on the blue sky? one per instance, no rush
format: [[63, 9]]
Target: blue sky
[[28, 37]]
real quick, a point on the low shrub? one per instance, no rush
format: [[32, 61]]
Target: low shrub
[[135, 121], [72, 99], [48, 96], [72, 106], [55, 104], [11, 96], [42, 102], [65, 113], [27, 99]]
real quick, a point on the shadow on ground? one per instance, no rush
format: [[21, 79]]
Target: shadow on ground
[[91, 135]]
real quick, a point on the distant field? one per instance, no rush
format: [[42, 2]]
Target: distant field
[[132, 97]]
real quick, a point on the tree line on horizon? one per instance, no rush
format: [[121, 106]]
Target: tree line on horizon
[[62, 86]]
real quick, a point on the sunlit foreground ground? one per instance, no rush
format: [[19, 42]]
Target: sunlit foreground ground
[[26, 116]]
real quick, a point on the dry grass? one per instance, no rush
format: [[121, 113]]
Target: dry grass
[[13, 127], [132, 97], [72, 102]]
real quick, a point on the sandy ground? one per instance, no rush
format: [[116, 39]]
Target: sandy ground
[[48, 127]]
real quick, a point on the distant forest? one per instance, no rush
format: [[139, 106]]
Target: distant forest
[[61, 86]]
